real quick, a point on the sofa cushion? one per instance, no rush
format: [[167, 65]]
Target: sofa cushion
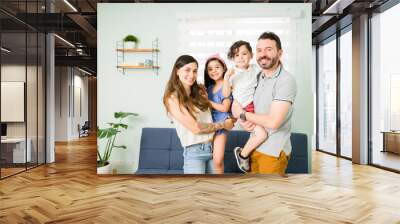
[[299, 144], [176, 153], [162, 153], [156, 138]]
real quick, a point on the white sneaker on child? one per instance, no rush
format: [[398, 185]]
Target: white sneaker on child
[[243, 163]]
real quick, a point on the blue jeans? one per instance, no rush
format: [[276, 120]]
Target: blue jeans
[[197, 159]]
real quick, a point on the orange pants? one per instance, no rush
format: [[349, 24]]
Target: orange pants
[[265, 164]]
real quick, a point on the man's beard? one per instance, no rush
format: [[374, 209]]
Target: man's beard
[[273, 62]]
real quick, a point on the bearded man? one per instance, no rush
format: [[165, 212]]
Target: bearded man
[[273, 101]]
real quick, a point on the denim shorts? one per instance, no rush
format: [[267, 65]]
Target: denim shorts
[[197, 159]]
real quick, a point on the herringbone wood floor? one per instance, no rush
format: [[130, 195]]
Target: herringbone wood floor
[[69, 191]]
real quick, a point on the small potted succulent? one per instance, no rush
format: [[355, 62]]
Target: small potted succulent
[[131, 41], [110, 133]]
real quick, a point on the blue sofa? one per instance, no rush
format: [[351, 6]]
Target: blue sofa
[[161, 152]]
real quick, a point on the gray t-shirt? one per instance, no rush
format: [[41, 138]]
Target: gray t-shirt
[[281, 86]]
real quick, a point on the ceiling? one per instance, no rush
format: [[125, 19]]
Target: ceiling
[[76, 22]]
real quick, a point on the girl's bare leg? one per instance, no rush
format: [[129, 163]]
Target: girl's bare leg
[[218, 153]]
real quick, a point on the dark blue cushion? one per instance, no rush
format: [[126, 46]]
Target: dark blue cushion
[[176, 171], [151, 158], [175, 142], [161, 152], [176, 159], [151, 171], [297, 165], [299, 144], [156, 138], [298, 162]]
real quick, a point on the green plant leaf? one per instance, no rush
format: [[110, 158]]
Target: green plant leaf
[[101, 163], [119, 146], [124, 114], [117, 125], [131, 38], [111, 132], [98, 155], [106, 133], [102, 133]]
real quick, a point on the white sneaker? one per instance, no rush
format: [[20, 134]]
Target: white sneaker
[[243, 164]]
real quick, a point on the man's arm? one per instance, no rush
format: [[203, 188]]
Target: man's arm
[[272, 120], [247, 125]]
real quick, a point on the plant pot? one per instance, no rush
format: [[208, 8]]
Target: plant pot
[[107, 169], [130, 45]]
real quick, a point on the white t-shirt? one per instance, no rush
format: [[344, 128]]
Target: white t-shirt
[[187, 137], [243, 84]]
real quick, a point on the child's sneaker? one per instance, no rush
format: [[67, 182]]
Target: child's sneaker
[[243, 164]]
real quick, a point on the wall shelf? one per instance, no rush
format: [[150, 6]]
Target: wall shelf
[[123, 64], [137, 67], [137, 50]]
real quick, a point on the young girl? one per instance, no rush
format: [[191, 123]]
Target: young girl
[[242, 81], [214, 72], [187, 104]]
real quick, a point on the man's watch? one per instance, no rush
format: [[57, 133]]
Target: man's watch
[[242, 116]]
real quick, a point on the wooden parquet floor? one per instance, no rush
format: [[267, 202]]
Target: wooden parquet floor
[[69, 191]]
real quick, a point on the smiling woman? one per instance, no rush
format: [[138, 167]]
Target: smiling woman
[[187, 104]]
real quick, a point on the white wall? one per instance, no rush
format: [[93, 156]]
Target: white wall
[[67, 117], [13, 100], [61, 103], [81, 84], [33, 127], [15, 72], [141, 91]]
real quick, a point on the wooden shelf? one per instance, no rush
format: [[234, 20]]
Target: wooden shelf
[[137, 67], [124, 63], [137, 50]]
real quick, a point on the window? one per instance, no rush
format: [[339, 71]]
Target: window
[[394, 102], [385, 85], [22, 63], [346, 94], [327, 97]]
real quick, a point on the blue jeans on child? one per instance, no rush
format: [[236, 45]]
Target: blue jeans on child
[[197, 159]]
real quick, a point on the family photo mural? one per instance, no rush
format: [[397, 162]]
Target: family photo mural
[[205, 89]]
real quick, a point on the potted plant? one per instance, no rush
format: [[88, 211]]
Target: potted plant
[[131, 41], [110, 134]]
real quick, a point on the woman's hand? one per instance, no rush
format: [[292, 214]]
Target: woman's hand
[[229, 124]]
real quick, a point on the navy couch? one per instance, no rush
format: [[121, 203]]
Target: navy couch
[[161, 152]]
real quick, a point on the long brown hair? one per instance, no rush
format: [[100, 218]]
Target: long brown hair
[[197, 100]]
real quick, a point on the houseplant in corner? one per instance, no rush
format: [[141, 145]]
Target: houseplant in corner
[[110, 134], [130, 41]]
